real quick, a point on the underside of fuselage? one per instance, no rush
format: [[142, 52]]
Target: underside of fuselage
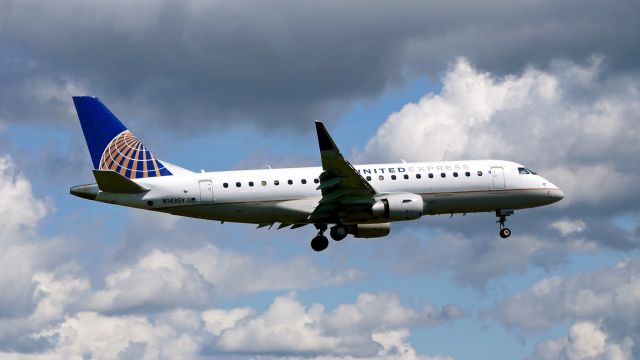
[[298, 211]]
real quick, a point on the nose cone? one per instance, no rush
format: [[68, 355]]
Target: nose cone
[[554, 192], [557, 195]]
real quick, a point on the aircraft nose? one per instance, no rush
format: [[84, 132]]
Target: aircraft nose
[[554, 192], [557, 195]]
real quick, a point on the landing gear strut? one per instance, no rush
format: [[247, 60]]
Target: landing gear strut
[[502, 216], [320, 242]]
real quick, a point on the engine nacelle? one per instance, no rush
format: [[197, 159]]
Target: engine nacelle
[[370, 230], [402, 206]]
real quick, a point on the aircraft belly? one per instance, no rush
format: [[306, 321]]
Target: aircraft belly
[[481, 201], [289, 212]]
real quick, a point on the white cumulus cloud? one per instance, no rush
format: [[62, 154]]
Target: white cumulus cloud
[[565, 121], [586, 340]]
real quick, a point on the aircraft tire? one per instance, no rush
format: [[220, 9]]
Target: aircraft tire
[[319, 243], [505, 233], [338, 232]]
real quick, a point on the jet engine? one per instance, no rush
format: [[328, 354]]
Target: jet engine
[[370, 230], [395, 207]]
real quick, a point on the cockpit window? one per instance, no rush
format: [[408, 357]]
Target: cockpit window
[[532, 172], [523, 171]]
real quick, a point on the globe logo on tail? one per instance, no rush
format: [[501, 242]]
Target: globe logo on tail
[[126, 155]]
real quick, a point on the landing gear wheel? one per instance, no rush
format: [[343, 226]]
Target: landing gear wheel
[[502, 220], [338, 232], [505, 233], [319, 243]]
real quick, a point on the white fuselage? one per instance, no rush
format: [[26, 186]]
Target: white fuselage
[[289, 196]]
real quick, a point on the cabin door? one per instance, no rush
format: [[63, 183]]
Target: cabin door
[[497, 174], [206, 191]]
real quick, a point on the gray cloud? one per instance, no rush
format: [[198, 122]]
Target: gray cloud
[[205, 63], [601, 304]]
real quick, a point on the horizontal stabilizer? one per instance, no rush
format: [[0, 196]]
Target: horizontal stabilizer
[[113, 182]]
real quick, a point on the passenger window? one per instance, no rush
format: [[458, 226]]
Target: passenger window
[[418, 176], [430, 175], [380, 177], [225, 185], [443, 175], [290, 182], [316, 181], [304, 181], [455, 174], [368, 178], [479, 173], [406, 177], [276, 182], [251, 183], [393, 177], [467, 174], [264, 183], [238, 184]]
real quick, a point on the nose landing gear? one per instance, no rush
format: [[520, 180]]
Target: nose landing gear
[[502, 214]]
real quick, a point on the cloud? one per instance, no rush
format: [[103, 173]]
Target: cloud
[[568, 226], [157, 281], [581, 121], [286, 329], [366, 328], [194, 64], [19, 210], [196, 278], [89, 333], [609, 295], [603, 306], [574, 123], [586, 340], [477, 256]]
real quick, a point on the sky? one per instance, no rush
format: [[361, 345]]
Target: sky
[[220, 85]]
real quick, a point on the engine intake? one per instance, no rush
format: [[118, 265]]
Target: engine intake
[[395, 207]]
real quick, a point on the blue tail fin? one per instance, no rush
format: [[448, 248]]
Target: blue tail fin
[[111, 145]]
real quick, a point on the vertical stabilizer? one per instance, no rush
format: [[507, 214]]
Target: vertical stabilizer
[[111, 145]]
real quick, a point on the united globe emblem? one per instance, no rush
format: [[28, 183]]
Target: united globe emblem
[[126, 155]]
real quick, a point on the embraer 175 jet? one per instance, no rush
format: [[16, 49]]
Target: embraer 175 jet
[[361, 200]]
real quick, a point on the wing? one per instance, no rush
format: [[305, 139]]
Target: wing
[[345, 193]]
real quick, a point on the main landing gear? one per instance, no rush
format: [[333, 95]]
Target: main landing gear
[[337, 233], [502, 214]]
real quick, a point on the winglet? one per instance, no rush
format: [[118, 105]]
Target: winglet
[[324, 139], [114, 182]]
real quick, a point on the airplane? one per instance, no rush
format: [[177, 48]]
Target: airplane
[[358, 200]]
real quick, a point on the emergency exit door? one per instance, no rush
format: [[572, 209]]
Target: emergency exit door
[[206, 191]]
